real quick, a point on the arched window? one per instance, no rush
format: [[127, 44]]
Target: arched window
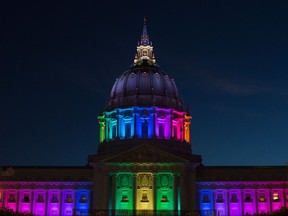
[[127, 129], [161, 130], [145, 127]]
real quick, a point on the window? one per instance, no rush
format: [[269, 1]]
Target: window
[[145, 128], [161, 130], [234, 198], [248, 198], [83, 198], [164, 198], [54, 198], [68, 198], [0, 196], [128, 129], [114, 131], [276, 197], [220, 198], [12, 198], [144, 197], [262, 197], [40, 198], [26, 198], [124, 198], [175, 134], [205, 199]]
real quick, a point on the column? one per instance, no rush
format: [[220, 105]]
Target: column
[[32, 201], [256, 200], [60, 202], [18, 200], [154, 192], [113, 187], [134, 192], [47, 200], [175, 189]]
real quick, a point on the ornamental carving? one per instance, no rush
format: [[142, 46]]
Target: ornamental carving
[[164, 180], [124, 180], [144, 113], [143, 155], [144, 180]]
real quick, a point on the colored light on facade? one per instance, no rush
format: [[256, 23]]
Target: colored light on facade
[[144, 122], [239, 200], [43, 202]]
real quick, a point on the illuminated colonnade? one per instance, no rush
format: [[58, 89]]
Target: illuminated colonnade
[[242, 198], [45, 198], [145, 191], [163, 123]]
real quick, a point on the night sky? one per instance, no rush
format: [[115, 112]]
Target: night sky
[[59, 60]]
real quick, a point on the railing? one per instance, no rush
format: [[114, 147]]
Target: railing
[[99, 212]]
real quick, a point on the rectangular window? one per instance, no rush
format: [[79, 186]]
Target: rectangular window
[[26, 198], [54, 198], [220, 198], [161, 130], [128, 129], [114, 131], [262, 197], [145, 128], [12, 198], [40, 198], [234, 198], [205, 199], [83, 198], [0, 196], [144, 197], [248, 198], [68, 198], [175, 132], [276, 197]]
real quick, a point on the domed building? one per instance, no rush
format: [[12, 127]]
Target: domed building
[[144, 164], [145, 141]]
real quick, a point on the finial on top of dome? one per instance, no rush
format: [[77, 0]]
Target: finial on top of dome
[[145, 48], [144, 36]]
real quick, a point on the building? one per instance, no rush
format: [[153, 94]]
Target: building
[[144, 164]]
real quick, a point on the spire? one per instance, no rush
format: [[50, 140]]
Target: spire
[[144, 36], [144, 49]]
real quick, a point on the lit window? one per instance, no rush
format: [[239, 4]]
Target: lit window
[[164, 198], [54, 198], [128, 129], [124, 198], [161, 130], [68, 198], [12, 198], [144, 197], [220, 198], [114, 131], [40, 198], [145, 128], [26, 198], [248, 198], [276, 197], [0, 196], [234, 198], [205, 199], [83, 198], [262, 198]]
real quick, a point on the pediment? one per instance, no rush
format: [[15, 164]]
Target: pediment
[[144, 154]]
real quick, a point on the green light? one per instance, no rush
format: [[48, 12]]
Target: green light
[[165, 191]]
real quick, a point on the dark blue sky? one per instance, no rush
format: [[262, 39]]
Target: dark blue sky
[[58, 62]]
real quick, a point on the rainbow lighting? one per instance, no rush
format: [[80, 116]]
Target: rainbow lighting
[[46, 198], [144, 122], [241, 198]]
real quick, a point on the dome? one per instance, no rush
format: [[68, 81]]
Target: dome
[[144, 85]]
